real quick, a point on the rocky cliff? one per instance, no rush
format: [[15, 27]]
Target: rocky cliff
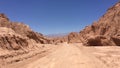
[[105, 31], [14, 35]]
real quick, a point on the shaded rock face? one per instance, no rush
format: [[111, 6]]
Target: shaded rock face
[[99, 40], [116, 40], [108, 26], [14, 35], [10, 40], [39, 38], [22, 30]]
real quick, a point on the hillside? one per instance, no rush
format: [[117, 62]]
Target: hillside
[[19, 32], [19, 42], [104, 32]]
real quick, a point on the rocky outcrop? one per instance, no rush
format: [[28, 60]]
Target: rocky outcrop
[[22, 29], [74, 37], [116, 40], [39, 38], [107, 28], [15, 35], [99, 40], [18, 42], [10, 40]]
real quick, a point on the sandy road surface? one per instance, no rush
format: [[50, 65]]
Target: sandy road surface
[[74, 56], [67, 56]]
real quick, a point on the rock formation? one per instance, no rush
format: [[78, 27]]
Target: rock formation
[[14, 35], [106, 29], [10, 40], [74, 37]]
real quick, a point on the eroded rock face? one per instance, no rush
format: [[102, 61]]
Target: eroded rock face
[[22, 29], [116, 40], [99, 40], [35, 36], [14, 35], [108, 26], [10, 40]]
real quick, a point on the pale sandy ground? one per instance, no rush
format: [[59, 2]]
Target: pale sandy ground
[[74, 56]]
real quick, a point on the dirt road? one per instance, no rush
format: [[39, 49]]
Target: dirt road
[[74, 56], [67, 56]]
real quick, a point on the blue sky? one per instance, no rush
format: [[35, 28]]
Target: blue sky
[[55, 16]]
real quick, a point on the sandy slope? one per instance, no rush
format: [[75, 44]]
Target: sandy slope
[[75, 56]]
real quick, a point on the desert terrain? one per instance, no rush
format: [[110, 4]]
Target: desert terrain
[[96, 46], [73, 56]]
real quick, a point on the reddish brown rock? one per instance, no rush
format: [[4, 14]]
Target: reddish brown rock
[[99, 40], [10, 40], [22, 29], [103, 32], [15, 35], [74, 37], [107, 26], [116, 40]]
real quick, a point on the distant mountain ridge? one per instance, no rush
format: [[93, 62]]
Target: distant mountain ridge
[[56, 35]]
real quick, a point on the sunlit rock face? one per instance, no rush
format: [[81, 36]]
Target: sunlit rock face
[[15, 35], [108, 26]]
